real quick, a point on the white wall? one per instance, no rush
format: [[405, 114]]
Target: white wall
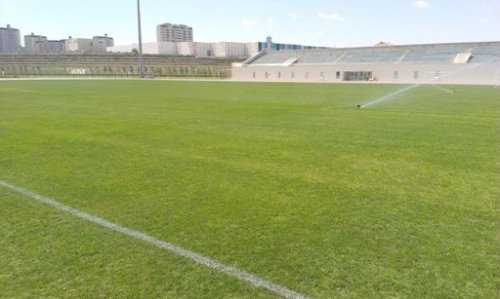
[[198, 49], [85, 45], [427, 73], [168, 48], [204, 49], [185, 48], [147, 48], [252, 49], [227, 49]]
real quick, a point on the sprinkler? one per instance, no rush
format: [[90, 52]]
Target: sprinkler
[[359, 106]]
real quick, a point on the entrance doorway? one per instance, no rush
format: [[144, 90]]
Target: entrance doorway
[[357, 76]]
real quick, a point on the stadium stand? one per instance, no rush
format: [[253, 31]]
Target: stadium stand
[[367, 56], [474, 63], [112, 65], [319, 57], [278, 57], [431, 55], [485, 54], [395, 54]]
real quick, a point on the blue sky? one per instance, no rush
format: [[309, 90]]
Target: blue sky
[[334, 23]]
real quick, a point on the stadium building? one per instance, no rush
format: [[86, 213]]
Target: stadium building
[[457, 63]]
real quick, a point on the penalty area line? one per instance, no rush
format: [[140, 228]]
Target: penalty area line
[[188, 254]]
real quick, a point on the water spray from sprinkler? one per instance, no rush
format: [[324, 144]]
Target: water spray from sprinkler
[[447, 90], [390, 96]]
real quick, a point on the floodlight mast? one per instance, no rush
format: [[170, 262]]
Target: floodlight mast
[[141, 58]]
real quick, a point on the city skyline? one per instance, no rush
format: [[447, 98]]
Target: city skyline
[[320, 22]]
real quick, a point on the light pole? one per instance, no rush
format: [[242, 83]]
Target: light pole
[[141, 59]]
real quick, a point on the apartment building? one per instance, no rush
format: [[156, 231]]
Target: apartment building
[[10, 40], [174, 33]]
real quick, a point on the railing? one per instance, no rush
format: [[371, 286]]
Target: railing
[[112, 65], [83, 71]]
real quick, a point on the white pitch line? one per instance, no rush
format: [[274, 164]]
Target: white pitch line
[[200, 259]]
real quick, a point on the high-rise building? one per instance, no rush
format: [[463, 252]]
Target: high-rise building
[[85, 45], [35, 43], [106, 40], [10, 40], [97, 44], [40, 44], [56, 46], [174, 33]]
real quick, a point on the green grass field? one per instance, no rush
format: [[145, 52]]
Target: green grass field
[[287, 181]]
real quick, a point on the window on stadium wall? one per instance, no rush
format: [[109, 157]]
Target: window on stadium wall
[[358, 76]]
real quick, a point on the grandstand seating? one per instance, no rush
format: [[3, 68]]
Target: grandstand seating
[[486, 54], [371, 56], [278, 57], [445, 55], [413, 54], [320, 57]]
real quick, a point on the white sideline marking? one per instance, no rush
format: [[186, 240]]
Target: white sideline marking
[[200, 259]]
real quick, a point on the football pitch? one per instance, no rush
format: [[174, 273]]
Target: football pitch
[[289, 186]]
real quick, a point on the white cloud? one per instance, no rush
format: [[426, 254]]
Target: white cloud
[[420, 4], [249, 23], [270, 20], [292, 15], [332, 17]]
